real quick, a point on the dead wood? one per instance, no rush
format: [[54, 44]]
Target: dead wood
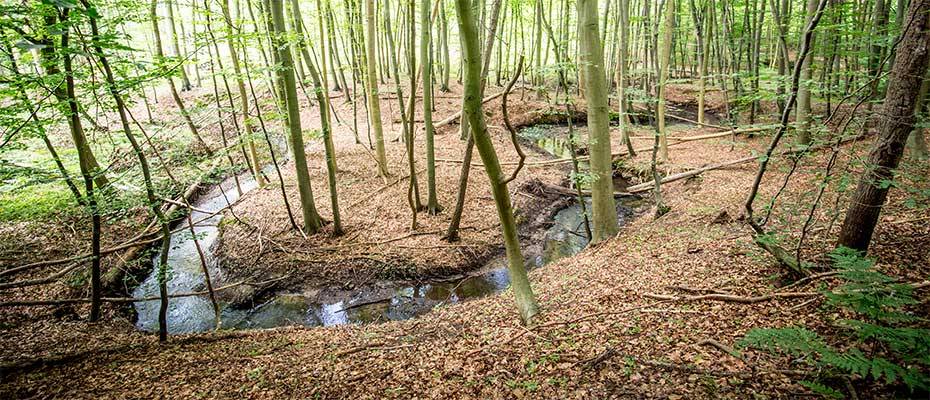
[[722, 347], [729, 298], [131, 299]]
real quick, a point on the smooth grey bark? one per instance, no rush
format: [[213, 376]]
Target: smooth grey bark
[[523, 293], [603, 207]]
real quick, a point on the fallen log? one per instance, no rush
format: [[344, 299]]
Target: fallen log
[[450, 119], [645, 186], [675, 141], [121, 300]]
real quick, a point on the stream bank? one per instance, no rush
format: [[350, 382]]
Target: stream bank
[[548, 233]]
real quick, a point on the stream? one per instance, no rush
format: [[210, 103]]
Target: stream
[[383, 301]]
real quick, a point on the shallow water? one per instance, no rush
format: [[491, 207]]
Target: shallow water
[[380, 302]]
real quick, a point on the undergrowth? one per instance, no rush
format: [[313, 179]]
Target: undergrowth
[[886, 342]]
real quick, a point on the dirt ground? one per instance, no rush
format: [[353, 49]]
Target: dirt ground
[[600, 335]]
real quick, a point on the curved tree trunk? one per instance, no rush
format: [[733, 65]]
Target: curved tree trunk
[[523, 293]]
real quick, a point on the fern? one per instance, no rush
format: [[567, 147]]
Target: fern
[[822, 389], [867, 291], [880, 302]]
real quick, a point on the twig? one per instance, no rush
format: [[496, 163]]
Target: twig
[[722, 347], [132, 299], [513, 132], [730, 298]]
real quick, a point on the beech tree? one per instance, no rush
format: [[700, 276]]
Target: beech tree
[[374, 102], [592, 59], [523, 293], [285, 75]]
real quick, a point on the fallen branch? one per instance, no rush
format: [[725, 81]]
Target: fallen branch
[[458, 114], [40, 281], [513, 132], [722, 347], [646, 186], [381, 189], [131, 299], [729, 298]]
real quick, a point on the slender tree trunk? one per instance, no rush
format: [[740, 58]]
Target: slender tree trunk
[[604, 209], [916, 143], [285, 72], [186, 82], [876, 51], [74, 123], [40, 127], [49, 58], [374, 102], [622, 74], [323, 98], [664, 59], [160, 58], [452, 233], [804, 92], [432, 204], [446, 65], [153, 199], [247, 142], [523, 293]]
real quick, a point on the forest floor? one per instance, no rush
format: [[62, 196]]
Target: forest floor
[[599, 334]]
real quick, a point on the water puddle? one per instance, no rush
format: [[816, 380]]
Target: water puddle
[[383, 301]]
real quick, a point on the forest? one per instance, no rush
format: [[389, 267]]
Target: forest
[[662, 199]]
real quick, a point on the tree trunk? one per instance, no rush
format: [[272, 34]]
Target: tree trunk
[[153, 200], [896, 124], [432, 203], [186, 82], [285, 72], [249, 144], [664, 61], [804, 92], [374, 102], [523, 293], [321, 83], [74, 123], [160, 58], [604, 209], [622, 74]]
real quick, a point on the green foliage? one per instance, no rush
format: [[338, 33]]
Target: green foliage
[[879, 303], [822, 389], [35, 203]]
